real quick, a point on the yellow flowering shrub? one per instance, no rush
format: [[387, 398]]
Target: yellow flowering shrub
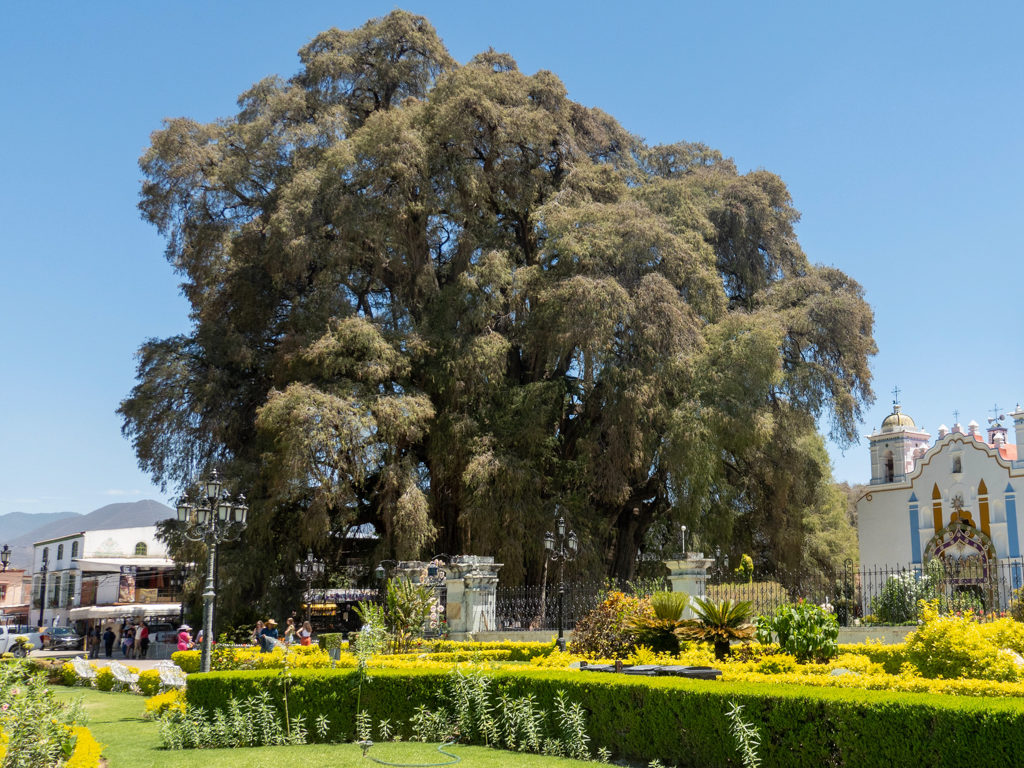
[[87, 751], [4, 738], [165, 702], [957, 647]]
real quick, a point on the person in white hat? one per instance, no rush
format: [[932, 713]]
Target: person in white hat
[[184, 638]]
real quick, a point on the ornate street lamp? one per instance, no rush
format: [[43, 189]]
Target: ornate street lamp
[[309, 570], [213, 518], [380, 572], [561, 548], [5, 558]]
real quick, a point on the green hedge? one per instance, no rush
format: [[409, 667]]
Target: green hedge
[[682, 722]]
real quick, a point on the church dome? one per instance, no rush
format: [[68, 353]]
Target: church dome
[[897, 420]]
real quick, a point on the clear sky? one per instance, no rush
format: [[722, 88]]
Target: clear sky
[[897, 127]]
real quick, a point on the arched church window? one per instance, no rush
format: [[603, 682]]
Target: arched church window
[[141, 549], [74, 549], [890, 472], [957, 466]]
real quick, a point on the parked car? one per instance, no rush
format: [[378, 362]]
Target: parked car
[[62, 639], [9, 634]]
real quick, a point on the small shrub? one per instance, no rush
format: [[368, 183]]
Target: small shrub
[[952, 646], [744, 572], [607, 631], [805, 630], [105, 679], [165, 702]]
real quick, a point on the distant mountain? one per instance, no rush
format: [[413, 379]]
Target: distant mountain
[[15, 524], [123, 515]]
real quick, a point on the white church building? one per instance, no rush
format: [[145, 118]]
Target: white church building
[[954, 499]]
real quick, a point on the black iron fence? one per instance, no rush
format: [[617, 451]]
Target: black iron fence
[[536, 607], [884, 594]]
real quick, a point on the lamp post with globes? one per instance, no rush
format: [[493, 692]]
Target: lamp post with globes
[[561, 548], [5, 558], [309, 570], [212, 519]]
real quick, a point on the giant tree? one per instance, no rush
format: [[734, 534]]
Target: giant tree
[[441, 299]]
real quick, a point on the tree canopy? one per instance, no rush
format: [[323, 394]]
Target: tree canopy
[[443, 299]]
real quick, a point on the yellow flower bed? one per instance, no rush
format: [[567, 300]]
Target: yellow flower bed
[[165, 702], [87, 751]]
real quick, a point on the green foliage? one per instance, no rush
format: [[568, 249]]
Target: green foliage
[[331, 641], [436, 297], [718, 623], [951, 646], [806, 631], [638, 719], [607, 631], [746, 735], [898, 601], [253, 722], [35, 728], [744, 572], [658, 632]]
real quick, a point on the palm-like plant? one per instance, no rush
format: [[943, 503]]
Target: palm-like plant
[[718, 623], [658, 632]]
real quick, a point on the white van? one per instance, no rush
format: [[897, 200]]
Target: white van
[[9, 633]]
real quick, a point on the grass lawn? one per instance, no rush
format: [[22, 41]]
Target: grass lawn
[[115, 719]]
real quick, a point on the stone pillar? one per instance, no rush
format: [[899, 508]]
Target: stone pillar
[[688, 575], [472, 583]]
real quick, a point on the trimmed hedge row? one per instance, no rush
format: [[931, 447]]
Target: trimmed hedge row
[[681, 721]]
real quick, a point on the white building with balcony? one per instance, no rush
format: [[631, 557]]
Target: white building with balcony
[[117, 574]]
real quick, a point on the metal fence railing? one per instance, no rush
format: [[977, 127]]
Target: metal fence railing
[[884, 594]]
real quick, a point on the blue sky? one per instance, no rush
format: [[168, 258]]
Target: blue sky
[[896, 127]]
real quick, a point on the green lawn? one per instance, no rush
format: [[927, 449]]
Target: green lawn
[[115, 719]]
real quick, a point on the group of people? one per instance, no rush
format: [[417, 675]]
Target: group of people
[[134, 641], [266, 635]]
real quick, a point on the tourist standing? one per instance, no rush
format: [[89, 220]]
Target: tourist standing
[[184, 638], [143, 638], [93, 641], [306, 634], [289, 631], [108, 641], [127, 641]]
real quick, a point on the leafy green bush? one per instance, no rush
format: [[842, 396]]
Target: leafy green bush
[[639, 719], [744, 572], [37, 727], [805, 630], [898, 601], [607, 631]]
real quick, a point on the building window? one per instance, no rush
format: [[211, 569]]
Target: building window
[[141, 549], [74, 549], [70, 590], [890, 470], [60, 552], [957, 466], [46, 554], [3, 591]]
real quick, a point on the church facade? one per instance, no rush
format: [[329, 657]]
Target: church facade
[[956, 500]]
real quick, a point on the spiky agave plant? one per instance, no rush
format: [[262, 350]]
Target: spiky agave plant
[[718, 623]]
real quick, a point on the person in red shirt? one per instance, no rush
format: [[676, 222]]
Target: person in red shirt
[[142, 639]]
